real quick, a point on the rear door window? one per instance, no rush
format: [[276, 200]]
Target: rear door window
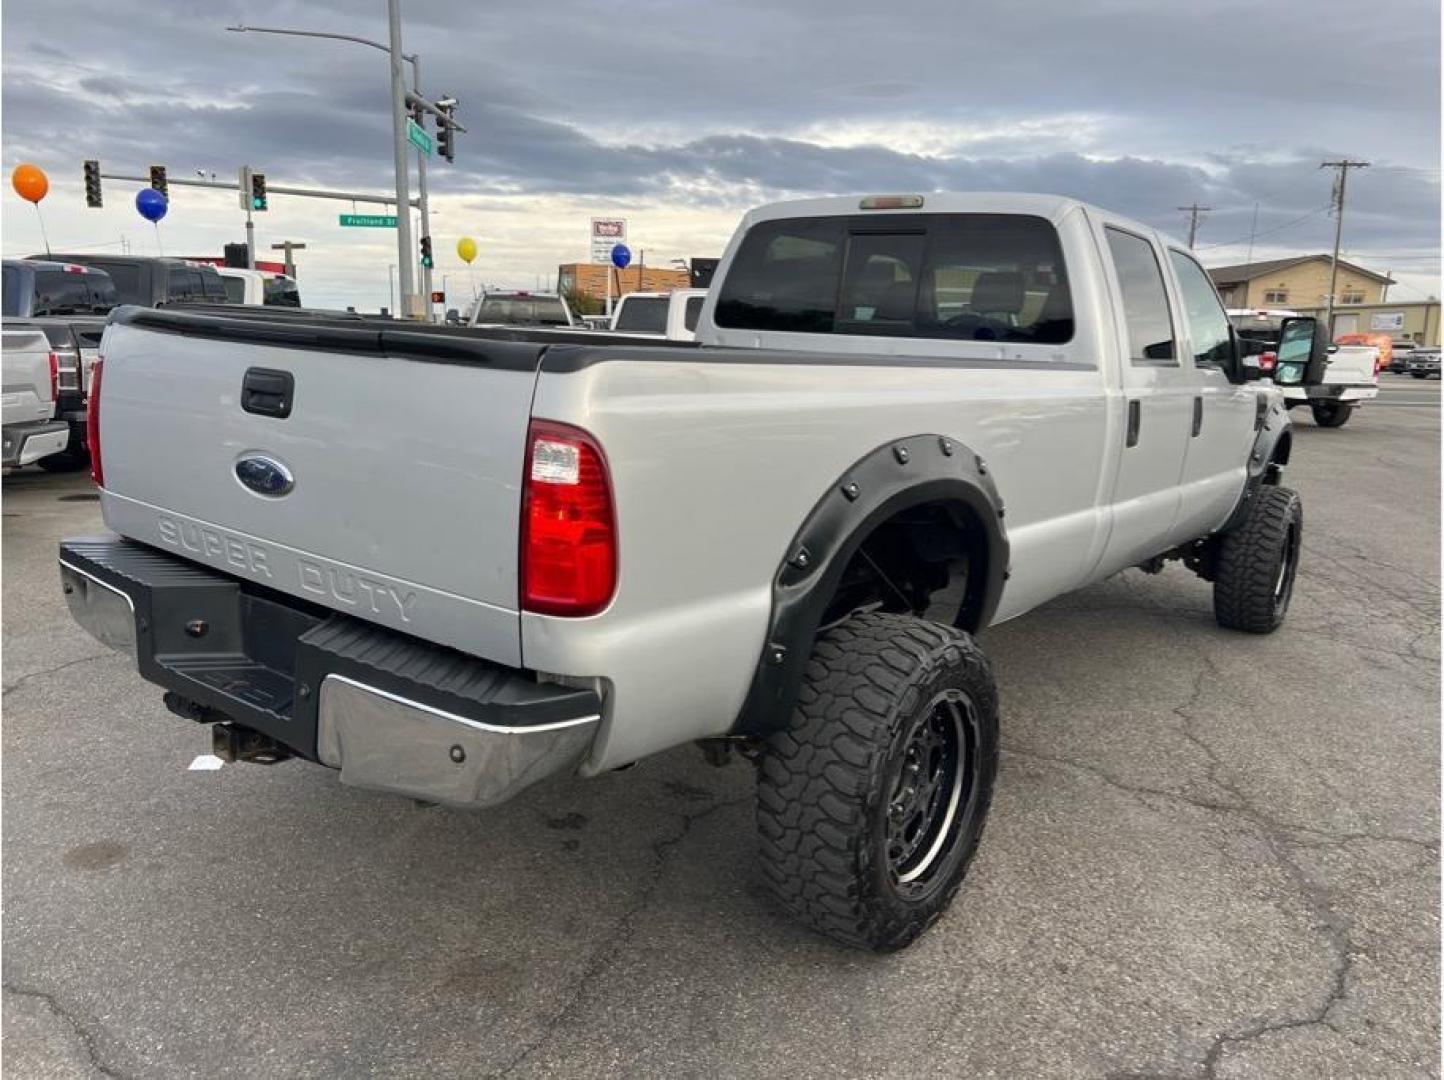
[[235, 289], [1145, 299], [974, 277], [645, 314]]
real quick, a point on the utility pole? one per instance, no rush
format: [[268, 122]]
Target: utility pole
[[1343, 165], [1193, 212], [405, 247], [289, 246], [421, 192]]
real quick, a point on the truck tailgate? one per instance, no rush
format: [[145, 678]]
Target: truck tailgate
[[400, 453], [1351, 365], [26, 391]]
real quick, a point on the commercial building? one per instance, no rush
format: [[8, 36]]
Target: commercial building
[[1302, 284], [1416, 321], [1299, 282], [590, 279]]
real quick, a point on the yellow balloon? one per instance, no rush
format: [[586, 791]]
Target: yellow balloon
[[466, 248]]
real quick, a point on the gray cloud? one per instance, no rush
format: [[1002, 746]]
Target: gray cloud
[[707, 104]]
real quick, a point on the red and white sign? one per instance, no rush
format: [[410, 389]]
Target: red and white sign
[[607, 233]]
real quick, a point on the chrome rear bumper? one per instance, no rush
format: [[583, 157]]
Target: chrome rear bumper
[[391, 712], [383, 741]]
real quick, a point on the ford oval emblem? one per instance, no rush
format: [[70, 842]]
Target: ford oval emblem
[[264, 475]]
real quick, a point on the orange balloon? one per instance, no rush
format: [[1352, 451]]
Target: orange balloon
[[30, 182]]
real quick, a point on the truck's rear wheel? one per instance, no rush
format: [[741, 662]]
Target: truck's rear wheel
[[1257, 563], [1332, 413], [871, 804]]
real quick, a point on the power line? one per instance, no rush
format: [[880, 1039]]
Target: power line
[[1276, 228]]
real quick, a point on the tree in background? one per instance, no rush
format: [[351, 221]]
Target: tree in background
[[582, 303]]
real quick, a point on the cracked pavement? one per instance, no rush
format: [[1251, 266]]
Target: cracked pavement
[[1210, 856]]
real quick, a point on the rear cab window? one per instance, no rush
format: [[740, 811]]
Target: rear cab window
[[58, 292], [647, 314], [967, 276], [692, 312], [281, 292], [235, 289]]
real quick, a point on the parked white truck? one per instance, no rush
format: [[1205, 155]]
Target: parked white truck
[[1347, 377], [450, 563], [671, 315], [32, 430]]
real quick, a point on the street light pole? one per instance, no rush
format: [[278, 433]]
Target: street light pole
[[406, 249], [406, 252]]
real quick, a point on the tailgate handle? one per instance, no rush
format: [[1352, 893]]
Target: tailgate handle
[[268, 392]]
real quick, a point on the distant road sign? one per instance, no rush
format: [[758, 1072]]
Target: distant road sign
[[417, 136], [369, 221]]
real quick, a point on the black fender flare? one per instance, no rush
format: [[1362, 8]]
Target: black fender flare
[[1272, 445], [893, 477]]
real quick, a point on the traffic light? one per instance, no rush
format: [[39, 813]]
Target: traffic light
[[92, 183], [258, 191], [426, 259], [445, 133], [157, 179]]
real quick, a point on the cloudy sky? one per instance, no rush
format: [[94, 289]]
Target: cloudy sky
[[679, 114]]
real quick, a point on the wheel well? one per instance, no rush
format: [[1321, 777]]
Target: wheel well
[[932, 556], [1282, 448]]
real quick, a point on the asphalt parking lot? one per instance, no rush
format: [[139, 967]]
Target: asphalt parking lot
[[1210, 855]]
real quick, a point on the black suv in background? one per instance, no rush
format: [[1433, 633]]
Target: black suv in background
[[153, 281]]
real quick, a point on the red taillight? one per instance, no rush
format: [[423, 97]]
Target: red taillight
[[92, 425], [1267, 361], [568, 528], [54, 376]]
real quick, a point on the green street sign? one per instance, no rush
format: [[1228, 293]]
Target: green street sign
[[369, 221], [416, 135]]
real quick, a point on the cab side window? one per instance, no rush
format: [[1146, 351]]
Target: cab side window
[[1207, 323], [1145, 300]]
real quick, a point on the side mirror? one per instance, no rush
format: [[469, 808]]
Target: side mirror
[[1302, 352]]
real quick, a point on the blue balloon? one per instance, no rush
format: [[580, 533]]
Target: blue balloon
[[621, 256], [151, 204]]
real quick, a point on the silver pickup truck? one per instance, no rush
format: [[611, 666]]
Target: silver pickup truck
[[32, 431], [449, 563]]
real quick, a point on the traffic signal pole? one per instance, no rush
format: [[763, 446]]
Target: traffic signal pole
[[421, 194]]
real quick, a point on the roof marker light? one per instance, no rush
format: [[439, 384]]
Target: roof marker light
[[891, 202]]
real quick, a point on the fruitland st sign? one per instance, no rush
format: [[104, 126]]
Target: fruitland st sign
[[369, 221]]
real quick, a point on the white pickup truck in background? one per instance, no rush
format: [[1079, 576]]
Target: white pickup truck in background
[[671, 315], [1348, 378], [31, 429]]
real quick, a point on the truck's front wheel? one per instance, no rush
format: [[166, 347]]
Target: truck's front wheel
[[1257, 563], [1332, 413], [871, 804]]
